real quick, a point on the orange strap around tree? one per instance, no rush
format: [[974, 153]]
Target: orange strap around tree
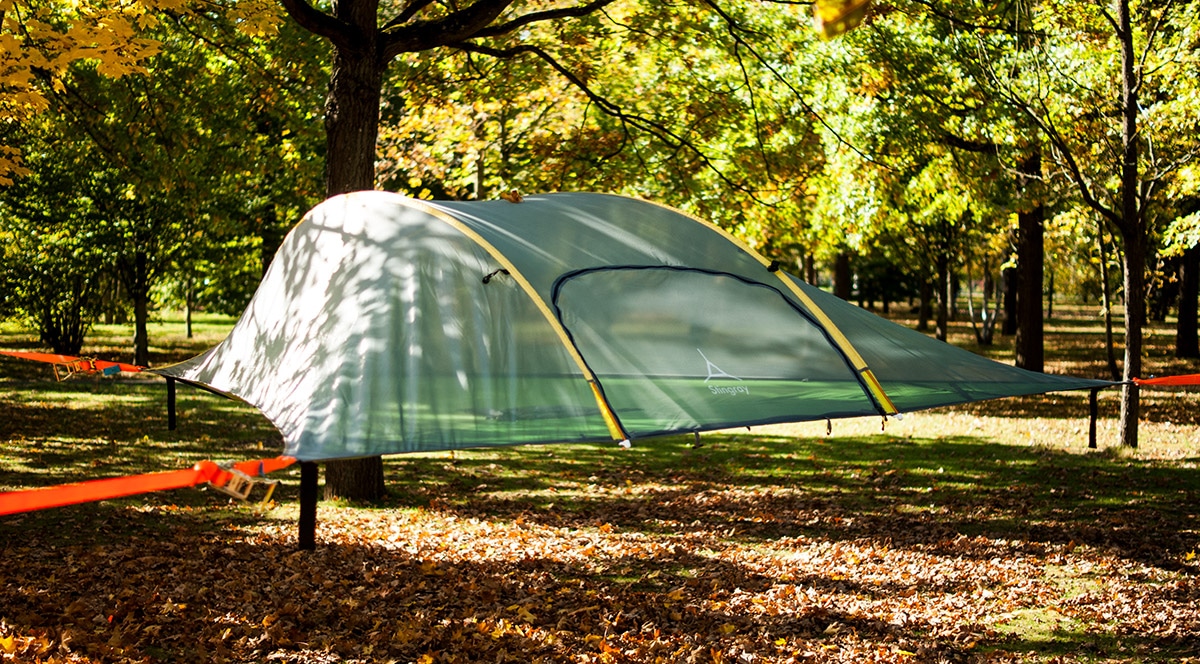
[[1190, 379], [28, 500]]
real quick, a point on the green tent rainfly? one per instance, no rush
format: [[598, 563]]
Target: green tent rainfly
[[387, 325]]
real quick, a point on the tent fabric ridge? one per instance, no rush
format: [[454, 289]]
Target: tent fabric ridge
[[610, 418]]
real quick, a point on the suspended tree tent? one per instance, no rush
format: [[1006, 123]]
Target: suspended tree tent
[[387, 324]]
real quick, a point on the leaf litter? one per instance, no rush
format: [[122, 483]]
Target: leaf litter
[[746, 551]]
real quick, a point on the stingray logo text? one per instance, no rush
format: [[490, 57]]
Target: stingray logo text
[[715, 372]]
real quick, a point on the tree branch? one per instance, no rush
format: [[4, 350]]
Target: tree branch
[[319, 23], [448, 30], [414, 7], [548, 15], [734, 29], [655, 128]]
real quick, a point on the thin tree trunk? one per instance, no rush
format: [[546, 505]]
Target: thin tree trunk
[[1135, 315], [1187, 339], [1135, 235], [140, 292], [943, 297], [952, 297], [1009, 276], [188, 297], [1049, 295], [1029, 343], [1106, 294], [841, 276], [924, 307]]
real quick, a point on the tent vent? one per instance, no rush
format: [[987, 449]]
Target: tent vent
[[487, 278]]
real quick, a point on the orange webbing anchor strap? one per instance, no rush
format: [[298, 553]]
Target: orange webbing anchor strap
[[219, 477], [66, 366], [1190, 379]]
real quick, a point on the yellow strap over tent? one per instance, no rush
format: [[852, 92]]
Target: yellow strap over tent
[[610, 418]]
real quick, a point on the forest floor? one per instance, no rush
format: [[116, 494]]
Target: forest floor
[[983, 533]]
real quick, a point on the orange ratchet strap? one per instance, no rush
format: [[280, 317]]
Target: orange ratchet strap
[[235, 479], [66, 366]]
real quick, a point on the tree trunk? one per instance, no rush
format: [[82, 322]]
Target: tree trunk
[[1106, 294], [1187, 340], [1050, 294], [1029, 342], [952, 297], [352, 128], [1134, 232], [139, 291], [943, 297], [189, 294], [1009, 277], [352, 113], [355, 479], [841, 276], [1135, 316], [924, 308]]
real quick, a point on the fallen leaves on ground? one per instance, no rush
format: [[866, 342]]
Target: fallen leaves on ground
[[646, 571]]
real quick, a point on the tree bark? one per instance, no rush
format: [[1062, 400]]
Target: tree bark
[[1135, 316], [1134, 231], [841, 276], [924, 310], [1106, 294], [139, 291], [1029, 341], [1009, 276], [355, 479], [1187, 339], [943, 297], [352, 112]]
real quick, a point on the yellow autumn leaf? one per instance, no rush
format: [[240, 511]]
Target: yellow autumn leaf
[[1191, 555], [834, 17], [8, 644]]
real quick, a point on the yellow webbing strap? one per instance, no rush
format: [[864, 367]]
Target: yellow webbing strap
[[610, 418], [860, 365]]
